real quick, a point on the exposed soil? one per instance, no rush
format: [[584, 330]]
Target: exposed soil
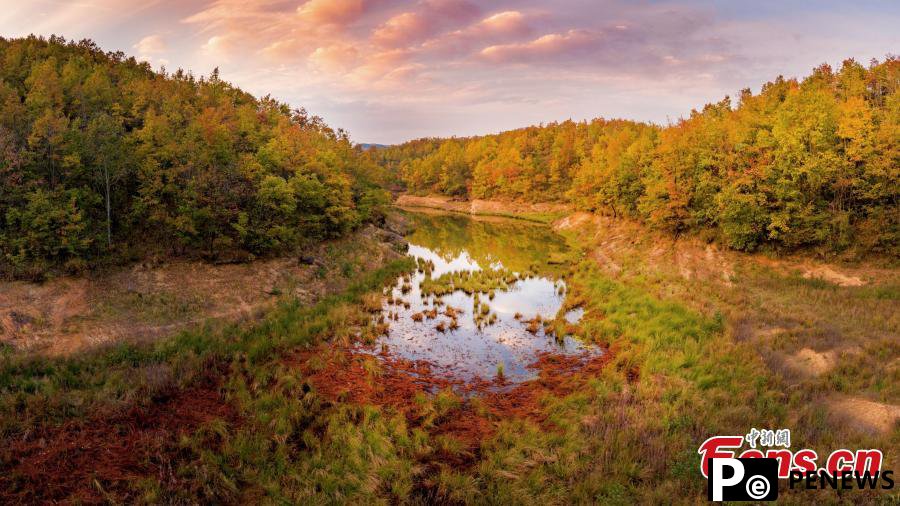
[[697, 259], [89, 461], [802, 313], [830, 275], [478, 206], [864, 415], [146, 301], [97, 460], [811, 363]]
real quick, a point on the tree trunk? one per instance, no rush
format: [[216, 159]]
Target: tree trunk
[[108, 222]]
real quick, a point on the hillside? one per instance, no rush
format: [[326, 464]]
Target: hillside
[[514, 350], [103, 160], [804, 163]]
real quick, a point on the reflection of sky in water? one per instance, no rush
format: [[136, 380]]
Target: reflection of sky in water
[[462, 263], [574, 315], [469, 351]]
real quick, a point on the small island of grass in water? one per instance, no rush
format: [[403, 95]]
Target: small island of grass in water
[[480, 304]]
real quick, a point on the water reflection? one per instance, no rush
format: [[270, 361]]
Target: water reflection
[[451, 331]]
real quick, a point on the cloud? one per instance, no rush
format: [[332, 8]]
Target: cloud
[[338, 58], [434, 49], [455, 11], [430, 18], [401, 30], [220, 45], [505, 22], [338, 12], [497, 62], [546, 47], [496, 28], [151, 44], [379, 65]]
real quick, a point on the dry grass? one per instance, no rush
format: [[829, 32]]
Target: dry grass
[[371, 302]]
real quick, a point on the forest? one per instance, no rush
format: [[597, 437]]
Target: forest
[[804, 163], [103, 160], [250, 319]]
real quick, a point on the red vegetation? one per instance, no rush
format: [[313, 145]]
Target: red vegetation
[[82, 461], [397, 381], [558, 375], [344, 377]]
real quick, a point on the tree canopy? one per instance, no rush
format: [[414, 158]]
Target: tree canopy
[[103, 159], [812, 162]]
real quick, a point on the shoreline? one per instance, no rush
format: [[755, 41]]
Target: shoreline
[[545, 212]]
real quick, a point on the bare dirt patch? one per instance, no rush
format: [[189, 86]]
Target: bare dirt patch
[[577, 220], [864, 415], [146, 301], [803, 314], [828, 273], [810, 363], [694, 259], [479, 206]]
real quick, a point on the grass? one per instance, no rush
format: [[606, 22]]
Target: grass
[[152, 307], [631, 436], [471, 282], [608, 435], [40, 392], [678, 375]]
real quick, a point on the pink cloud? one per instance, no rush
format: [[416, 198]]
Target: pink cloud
[[505, 22], [428, 19], [339, 12], [380, 64], [547, 46], [455, 11], [497, 62], [151, 44], [335, 59], [402, 29], [367, 41], [497, 28]]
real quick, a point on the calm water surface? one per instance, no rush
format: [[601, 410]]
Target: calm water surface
[[456, 243]]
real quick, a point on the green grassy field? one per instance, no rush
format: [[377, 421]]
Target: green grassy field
[[624, 434]]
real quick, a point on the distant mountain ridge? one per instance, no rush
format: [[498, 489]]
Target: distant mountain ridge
[[367, 145]]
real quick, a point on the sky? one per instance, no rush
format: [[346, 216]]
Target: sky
[[392, 70]]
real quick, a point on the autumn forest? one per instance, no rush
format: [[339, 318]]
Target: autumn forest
[[811, 162], [105, 160], [211, 296]]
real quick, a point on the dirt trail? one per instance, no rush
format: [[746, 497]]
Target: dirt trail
[[144, 302]]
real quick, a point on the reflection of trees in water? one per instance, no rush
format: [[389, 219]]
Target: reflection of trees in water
[[516, 245]]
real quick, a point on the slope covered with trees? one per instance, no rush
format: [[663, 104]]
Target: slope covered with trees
[[802, 163], [103, 159]]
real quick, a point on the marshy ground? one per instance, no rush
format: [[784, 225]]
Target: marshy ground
[[469, 316], [588, 369]]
